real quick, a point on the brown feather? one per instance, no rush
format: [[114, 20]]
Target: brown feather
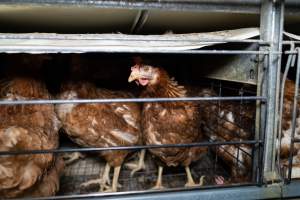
[[171, 122], [287, 120], [100, 125], [229, 121], [31, 127]]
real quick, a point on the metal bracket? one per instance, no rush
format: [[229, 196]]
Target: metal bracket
[[271, 31]]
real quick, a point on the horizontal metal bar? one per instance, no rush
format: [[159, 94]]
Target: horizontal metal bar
[[128, 100], [289, 42], [290, 52], [232, 6], [238, 6], [112, 38], [232, 89], [82, 49], [291, 190], [115, 148], [153, 193], [296, 140], [119, 194]]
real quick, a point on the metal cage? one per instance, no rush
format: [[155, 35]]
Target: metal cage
[[265, 169]]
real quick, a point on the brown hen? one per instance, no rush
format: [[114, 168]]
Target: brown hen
[[221, 124], [100, 125], [49, 184], [229, 121], [26, 127], [168, 122], [287, 120], [289, 93]]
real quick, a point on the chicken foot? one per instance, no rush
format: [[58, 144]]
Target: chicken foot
[[219, 180], [158, 185], [104, 181], [115, 182], [72, 157], [137, 165], [190, 181]]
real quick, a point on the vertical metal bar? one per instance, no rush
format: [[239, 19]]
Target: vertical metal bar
[[259, 122], [263, 119], [241, 92], [294, 115], [277, 117], [282, 91], [271, 31]]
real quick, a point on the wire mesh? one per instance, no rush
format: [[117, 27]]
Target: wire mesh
[[229, 135], [91, 167], [233, 165], [234, 121], [289, 147]]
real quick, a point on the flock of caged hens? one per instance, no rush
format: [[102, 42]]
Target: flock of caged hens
[[36, 127]]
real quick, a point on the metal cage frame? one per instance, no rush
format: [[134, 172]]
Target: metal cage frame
[[271, 42]]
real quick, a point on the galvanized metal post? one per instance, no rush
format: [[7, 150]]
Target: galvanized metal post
[[271, 31]]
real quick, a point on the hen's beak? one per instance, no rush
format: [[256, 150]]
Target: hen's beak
[[133, 76]]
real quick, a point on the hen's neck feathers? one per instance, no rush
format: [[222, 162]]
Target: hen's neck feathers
[[166, 87], [174, 90]]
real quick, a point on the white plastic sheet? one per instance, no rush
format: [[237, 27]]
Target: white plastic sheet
[[80, 43]]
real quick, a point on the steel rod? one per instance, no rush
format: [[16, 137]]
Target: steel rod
[[282, 91], [119, 194], [290, 52], [292, 42], [137, 38], [127, 100], [237, 6], [279, 18], [83, 49], [271, 30], [259, 121], [115, 148]]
